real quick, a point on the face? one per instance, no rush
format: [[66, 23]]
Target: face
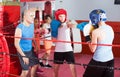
[[48, 20], [29, 16], [62, 17]]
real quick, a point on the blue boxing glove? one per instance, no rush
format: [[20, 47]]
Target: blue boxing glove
[[87, 28], [55, 24], [82, 25]]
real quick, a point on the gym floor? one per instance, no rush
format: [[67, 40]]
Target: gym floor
[[65, 70]]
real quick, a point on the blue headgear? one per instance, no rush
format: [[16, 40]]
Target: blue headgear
[[96, 16]]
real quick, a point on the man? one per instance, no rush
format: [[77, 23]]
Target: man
[[24, 46], [63, 51], [103, 55]]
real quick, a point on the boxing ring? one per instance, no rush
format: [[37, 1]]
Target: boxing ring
[[9, 63], [81, 61]]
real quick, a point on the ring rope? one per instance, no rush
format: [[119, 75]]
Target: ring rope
[[84, 65], [43, 39]]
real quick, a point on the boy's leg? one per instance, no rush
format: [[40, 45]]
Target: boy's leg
[[56, 69], [33, 70], [24, 73], [73, 70]]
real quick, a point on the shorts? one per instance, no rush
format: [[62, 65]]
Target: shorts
[[99, 70], [59, 57], [33, 60]]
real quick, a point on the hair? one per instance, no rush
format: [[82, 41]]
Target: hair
[[30, 9], [26, 12], [46, 17]]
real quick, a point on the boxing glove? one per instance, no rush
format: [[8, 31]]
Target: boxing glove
[[82, 25], [55, 24], [88, 28], [71, 24]]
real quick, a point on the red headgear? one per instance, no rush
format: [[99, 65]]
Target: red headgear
[[60, 11]]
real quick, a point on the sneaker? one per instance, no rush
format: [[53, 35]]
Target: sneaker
[[41, 64], [47, 66]]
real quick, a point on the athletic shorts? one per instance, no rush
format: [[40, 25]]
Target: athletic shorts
[[33, 60], [100, 71], [60, 57]]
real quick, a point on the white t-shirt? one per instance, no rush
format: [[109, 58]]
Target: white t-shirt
[[104, 53], [47, 35], [63, 35]]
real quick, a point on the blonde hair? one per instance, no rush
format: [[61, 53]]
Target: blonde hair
[[29, 10]]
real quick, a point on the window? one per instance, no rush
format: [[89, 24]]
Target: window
[[117, 1]]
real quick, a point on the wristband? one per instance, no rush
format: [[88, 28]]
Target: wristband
[[87, 38]]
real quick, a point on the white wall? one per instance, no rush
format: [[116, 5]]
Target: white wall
[[79, 9]]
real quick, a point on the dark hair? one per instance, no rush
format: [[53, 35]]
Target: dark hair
[[46, 17]]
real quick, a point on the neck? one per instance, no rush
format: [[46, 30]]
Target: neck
[[26, 23], [101, 23]]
